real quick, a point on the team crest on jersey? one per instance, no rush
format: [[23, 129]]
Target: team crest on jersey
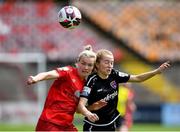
[[113, 84]]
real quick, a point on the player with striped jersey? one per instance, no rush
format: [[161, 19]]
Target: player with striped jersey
[[103, 85]]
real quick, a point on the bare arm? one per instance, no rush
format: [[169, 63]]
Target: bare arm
[[97, 105], [83, 110], [147, 75], [42, 76]]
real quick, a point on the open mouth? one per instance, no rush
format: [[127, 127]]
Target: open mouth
[[108, 70]]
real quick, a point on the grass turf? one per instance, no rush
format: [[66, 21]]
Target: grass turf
[[136, 127]]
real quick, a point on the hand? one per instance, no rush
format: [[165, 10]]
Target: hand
[[31, 80], [98, 105], [164, 66], [92, 117]]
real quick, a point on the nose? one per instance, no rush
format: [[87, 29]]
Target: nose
[[86, 67]]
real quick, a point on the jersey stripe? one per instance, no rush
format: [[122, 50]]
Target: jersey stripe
[[102, 124], [90, 79]]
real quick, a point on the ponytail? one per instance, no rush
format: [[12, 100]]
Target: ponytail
[[87, 52]]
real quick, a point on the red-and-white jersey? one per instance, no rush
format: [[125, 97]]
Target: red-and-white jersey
[[63, 97]]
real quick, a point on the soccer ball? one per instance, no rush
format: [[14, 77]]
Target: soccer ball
[[69, 17]]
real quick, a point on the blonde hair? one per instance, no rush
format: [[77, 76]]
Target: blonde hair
[[87, 52], [100, 53]]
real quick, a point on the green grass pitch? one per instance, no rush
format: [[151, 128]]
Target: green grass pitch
[[79, 123], [136, 127]]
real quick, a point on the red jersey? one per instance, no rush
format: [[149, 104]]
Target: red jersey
[[63, 97]]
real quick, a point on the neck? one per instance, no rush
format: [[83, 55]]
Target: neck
[[82, 77], [102, 75]]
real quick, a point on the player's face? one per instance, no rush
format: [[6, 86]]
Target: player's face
[[104, 67], [85, 66]]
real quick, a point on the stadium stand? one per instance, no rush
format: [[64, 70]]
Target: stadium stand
[[147, 27], [25, 30], [150, 28], [33, 27]]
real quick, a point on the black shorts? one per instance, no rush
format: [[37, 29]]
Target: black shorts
[[116, 124], [119, 122]]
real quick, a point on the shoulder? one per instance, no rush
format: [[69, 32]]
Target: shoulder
[[92, 78], [114, 71], [63, 71], [119, 73], [93, 75], [66, 68]]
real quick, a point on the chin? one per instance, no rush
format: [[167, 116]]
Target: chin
[[85, 74], [108, 72]]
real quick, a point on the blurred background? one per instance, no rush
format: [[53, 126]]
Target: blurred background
[[142, 34]]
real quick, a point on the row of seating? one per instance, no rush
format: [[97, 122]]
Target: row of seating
[[151, 28], [33, 27]]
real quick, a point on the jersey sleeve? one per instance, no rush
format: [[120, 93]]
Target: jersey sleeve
[[121, 76], [63, 71]]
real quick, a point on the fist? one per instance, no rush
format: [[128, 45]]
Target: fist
[[164, 66], [30, 80]]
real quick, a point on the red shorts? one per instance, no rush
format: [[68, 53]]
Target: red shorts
[[48, 126]]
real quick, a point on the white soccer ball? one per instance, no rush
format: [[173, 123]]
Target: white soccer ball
[[69, 17]]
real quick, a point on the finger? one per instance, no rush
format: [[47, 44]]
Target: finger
[[95, 117], [168, 63], [92, 119], [103, 101]]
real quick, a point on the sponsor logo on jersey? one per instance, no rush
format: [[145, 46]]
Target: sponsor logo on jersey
[[111, 96], [99, 90]]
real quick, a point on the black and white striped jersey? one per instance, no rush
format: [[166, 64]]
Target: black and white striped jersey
[[97, 88]]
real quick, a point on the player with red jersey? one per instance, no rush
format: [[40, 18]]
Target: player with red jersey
[[63, 96]]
